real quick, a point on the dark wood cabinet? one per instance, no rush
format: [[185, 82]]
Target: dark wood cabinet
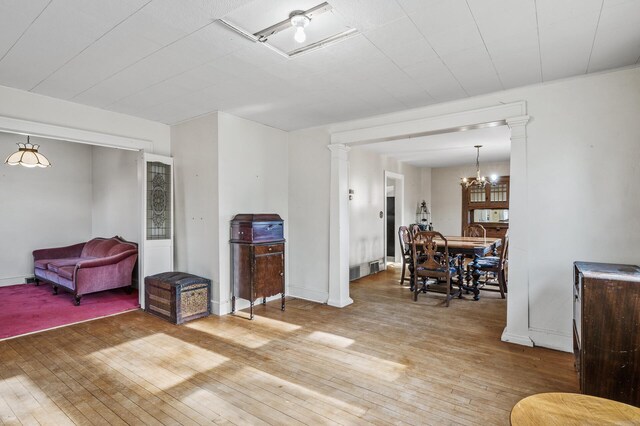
[[606, 330], [257, 258], [488, 206]]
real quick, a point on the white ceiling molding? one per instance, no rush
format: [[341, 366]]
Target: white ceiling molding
[[71, 134], [485, 117]]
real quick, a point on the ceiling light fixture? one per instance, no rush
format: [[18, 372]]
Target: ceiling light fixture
[[479, 181], [299, 21], [27, 155]]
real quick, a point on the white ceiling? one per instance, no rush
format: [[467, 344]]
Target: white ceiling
[[449, 149], [168, 61]]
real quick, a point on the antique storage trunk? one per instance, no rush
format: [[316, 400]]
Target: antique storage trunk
[[257, 257], [256, 228], [177, 296]]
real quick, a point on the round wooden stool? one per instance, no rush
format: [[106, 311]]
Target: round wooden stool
[[572, 409]]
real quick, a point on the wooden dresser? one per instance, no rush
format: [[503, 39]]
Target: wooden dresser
[[257, 258], [606, 330]]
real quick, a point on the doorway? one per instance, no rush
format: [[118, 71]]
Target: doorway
[[153, 255], [391, 224], [393, 214], [512, 115]]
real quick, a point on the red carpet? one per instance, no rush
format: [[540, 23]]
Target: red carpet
[[27, 308]]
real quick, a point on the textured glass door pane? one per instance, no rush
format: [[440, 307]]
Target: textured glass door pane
[[476, 195], [499, 192], [158, 201]]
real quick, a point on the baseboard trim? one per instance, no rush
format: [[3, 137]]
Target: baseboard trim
[[516, 339], [340, 303], [308, 294], [551, 340], [4, 282], [220, 309]]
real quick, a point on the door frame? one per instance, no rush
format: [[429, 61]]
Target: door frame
[[146, 157], [96, 138], [399, 216]]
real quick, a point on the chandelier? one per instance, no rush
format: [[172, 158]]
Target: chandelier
[[27, 155], [479, 181]]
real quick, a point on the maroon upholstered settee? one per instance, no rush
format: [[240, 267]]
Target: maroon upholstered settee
[[99, 264]]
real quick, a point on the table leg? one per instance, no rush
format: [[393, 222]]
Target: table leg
[[251, 311], [282, 301], [412, 278], [233, 304], [460, 275], [472, 278], [475, 274]]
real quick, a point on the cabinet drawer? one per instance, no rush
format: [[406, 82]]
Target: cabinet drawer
[[269, 249]]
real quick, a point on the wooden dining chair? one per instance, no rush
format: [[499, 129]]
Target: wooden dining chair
[[496, 266], [405, 245], [415, 228], [475, 231], [429, 263]]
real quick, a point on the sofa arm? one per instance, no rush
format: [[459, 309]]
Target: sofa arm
[[103, 261], [59, 252], [104, 273]]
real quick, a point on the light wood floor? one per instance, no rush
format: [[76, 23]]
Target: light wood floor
[[382, 360]]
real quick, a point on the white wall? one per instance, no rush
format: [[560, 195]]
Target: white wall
[[18, 104], [446, 193], [116, 197], [224, 165], [194, 146], [583, 156], [253, 178], [42, 207], [308, 241], [366, 177]]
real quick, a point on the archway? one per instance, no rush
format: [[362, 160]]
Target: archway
[[512, 115]]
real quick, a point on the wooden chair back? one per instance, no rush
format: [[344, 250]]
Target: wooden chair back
[[475, 231], [415, 228], [405, 239], [427, 260], [504, 254], [405, 245]]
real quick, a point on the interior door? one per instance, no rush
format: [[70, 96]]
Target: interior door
[[391, 227], [157, 241]]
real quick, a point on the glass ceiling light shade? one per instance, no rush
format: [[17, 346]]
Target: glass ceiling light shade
[[299, 21], [480, 181], [27, 156]]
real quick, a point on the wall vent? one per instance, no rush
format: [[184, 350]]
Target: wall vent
[[364, 269], [354, 273]]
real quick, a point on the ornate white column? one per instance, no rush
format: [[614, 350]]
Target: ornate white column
[[517, 329], [339, 227]]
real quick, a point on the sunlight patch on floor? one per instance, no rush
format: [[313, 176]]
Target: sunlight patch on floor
[[274, 324], [292, 391], [245, 338], [152, 358], [330, 339], [362, 363]]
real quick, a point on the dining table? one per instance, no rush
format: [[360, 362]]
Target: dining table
[[468, 247]]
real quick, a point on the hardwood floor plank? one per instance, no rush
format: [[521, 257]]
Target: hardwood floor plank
[[383, 360]]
